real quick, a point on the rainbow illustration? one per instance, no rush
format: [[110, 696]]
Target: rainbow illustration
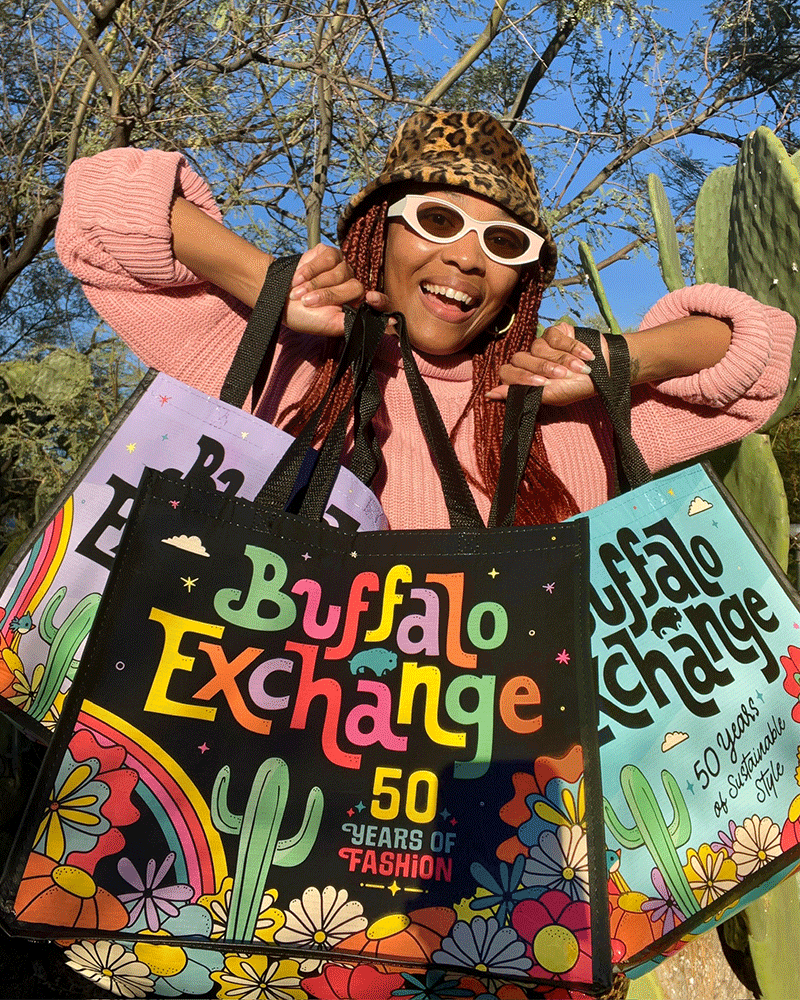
[[172, 797]]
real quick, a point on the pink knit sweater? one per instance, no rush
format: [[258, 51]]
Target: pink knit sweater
[[114, 234]]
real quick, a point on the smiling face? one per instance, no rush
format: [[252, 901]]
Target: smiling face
[[449, 293]]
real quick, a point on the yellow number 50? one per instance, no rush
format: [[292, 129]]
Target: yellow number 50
[[424, 782]]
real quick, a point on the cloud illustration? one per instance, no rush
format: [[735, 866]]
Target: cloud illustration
[[698, 505], [189, 543], [672, 740]]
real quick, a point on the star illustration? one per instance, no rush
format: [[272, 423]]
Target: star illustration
[[360, 806], [354, 554], [164, 437], [394, 888], [715, 523], [453, 821], [493, 573], [174, 504], [549, 587], [351, 811], [445, 813], [244, 434], [796, 625], [759, 695], [306, 556], [203, 747], [671, 492], [131, 447], [690, 786], [563, 657], [188, 582], [164, 399]]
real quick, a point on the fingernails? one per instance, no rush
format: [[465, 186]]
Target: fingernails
[[580, 367], [311, 299], [585, 352], [297, 291]]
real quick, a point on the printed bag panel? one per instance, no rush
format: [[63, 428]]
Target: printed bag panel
[[696, 637], [50, 597], [328, 746]]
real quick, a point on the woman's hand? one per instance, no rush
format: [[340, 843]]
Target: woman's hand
[[556, 361], [322, 285]]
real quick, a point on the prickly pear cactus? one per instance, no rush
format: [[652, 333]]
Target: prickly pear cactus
[[753, 477], [764, 237], [669, 257], [711, 226]]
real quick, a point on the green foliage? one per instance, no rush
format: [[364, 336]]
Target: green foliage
[[669, 255], [596, 284], [53, 406]]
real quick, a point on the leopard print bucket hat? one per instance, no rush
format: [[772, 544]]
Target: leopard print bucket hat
[[462, 149]]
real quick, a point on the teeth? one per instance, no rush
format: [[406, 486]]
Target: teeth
[[449, 293]]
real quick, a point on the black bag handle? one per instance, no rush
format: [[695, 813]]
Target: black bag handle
[[303, 478], [254, 351], [614, 391]]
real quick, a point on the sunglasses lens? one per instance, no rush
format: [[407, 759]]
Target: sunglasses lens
[[439, 221], [506, 243], [444, 223]]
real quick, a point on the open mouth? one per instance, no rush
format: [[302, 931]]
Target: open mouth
[[450, 297]]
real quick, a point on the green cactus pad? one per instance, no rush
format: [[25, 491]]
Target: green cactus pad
[[764, 238], [711, 225], [750, 472], [596, 285], [669, 257]]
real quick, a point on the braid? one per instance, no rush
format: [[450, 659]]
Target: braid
[[363, 250], [542, 497]]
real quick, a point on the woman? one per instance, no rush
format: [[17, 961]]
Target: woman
[[143, 234]]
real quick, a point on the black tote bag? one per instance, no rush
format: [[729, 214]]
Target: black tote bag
[[292, 753]]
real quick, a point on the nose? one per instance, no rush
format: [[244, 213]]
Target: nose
[[466, 253]]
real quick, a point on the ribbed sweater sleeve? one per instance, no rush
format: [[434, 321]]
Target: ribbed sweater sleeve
[[114, 235]]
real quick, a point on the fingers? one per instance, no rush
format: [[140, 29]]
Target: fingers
[[555, 361], [324, 278]]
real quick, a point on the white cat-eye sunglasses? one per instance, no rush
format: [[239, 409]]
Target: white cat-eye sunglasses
[[443, 222]]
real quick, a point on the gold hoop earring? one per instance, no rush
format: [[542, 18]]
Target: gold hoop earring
[[502, 331]]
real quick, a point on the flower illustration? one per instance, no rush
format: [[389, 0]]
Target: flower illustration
[[558, 932], [178, 971], [74, 810], [65, 896], [270, 918], [791, 682], [664, 906], [560, 861], [111, 966], [477, 990], [485, 946], [725, 842], [503, 894], [411, 936], [321, 920], [756, 842], [710, 873], [259, 977], [531, 789], [117, 808], [435, 986], [342, 982], [19, 690], [150, 895]]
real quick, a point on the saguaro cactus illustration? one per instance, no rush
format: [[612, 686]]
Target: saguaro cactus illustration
[[64, 643], [650, 829], [259, 848]]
